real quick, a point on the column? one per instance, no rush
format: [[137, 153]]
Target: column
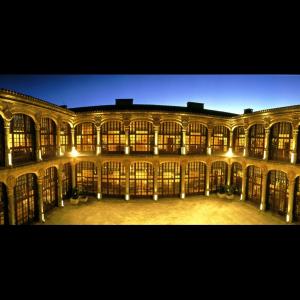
[[155, 185], [182, 182], [11, 205], [183, 137], [229, 174], [246, 142], [230, 141], [209, 133], [73, 175], [59, 187], [156, 140], [98, 141], [244, 181], [58, 150], [266, 151], [208, 167], [99, 191], [127, 149], [264, 191], [289, 216], [40, 200], [8, 152], [127, 172], [38, 142], [294, 147], [73, 138]]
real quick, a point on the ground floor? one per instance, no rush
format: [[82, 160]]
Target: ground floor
[[166, 211]]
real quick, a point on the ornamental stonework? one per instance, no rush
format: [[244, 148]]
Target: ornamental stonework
[[11, 181]]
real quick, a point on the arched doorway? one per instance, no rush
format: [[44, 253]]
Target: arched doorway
[[66, 181], [237, 177], [2, 143], [220, 139], [86, 177], [169, 179], [196, 138], [218, 176], [169, 138], [3, 205], [254, 185], [141, 137], [256, 144], [195, 178], [85, 137], [49, 189]]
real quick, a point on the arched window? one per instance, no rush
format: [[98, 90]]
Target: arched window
[[113, 179], [113, 137], [195, 178], [256, 141], [238, 140], [26, 199], [141, 179], [169, 138], [220, 139], [296, 210], [2, 143], [277, 194], [48, 138], [281, 139], [49, 189], [169, 179], [85, 137], [254, 185], [196, 138], [141, 137], [22, 139], [218, 176], [3, 205], [237, 177], [65, 137], [66, 181], [86, 178]]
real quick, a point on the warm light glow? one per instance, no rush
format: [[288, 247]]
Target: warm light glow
[[127, 197], [155, 197], [265, 154], [61, 153], [127, 150], [293, 157], [209, 151], [183, 151], [155, 150], [98, 150], [74, 152], [40, 154], [244, 153], [99, 196], [62, 203], [207, 193], [182, 196], [10, 158], [261, 207], [287, 218], [229, 153]]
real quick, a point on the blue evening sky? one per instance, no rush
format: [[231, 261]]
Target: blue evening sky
[[231, 93]]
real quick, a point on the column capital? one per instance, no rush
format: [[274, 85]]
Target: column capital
[[11, 181]]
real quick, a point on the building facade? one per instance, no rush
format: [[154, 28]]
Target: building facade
[[143, 151]]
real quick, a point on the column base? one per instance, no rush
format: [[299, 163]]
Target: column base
[[98, 152], [155, 197], [207, 193], [262, 207], [155, 150], [127, 151], [183, 151], [182, 195], [208, 150], [289, 219], [127, 197], [99, 196]]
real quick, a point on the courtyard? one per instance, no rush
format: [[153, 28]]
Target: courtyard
[[166, 211]]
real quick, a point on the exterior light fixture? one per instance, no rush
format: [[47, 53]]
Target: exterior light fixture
[[99, 196], [182, 196], [155, 197], [10, 158], [229, 153], [74, 152]]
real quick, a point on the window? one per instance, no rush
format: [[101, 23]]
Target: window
[[219, 139], [280, 141], [65, 137], [113, 179], [237, 177], [85, 137], [195, 178], [169, 179], [141, 137], [86, 178], [26, 196], [141, 179], [66, 181], [254, 185], [113, 137], [169, 138], [49, 189], [297, 200], [22, 139], [218, 176], [256, 141], [196, 138], [48, 138], [2, 143], [3, 205], [277, 194], [238, 140]]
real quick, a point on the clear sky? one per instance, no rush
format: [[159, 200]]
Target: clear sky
[[231, 93]]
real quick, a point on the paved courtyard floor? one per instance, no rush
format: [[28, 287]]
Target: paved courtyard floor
[[166, 211]]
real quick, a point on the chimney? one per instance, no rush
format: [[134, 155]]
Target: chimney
[[248, 111], [124, 102], [64, 106], [195, 106]]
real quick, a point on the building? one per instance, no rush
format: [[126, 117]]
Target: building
[[152, 151]]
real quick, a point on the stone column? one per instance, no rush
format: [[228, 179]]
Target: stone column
[[73, 138], [73, 175], [38, 142], [127, 148], [99, 191], [40, 200], [294, 147], [155, 176], [59, 187], [8, 152], [209, 133], [183, 137], [156, 128], [98, 141], [229, 174], [127, 172], [246, 145], [208, 167], [266, 150], [58, 149], [11, 205], [182, 182], [264, 190], [244, 181], [290, 210], [230, 140]]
